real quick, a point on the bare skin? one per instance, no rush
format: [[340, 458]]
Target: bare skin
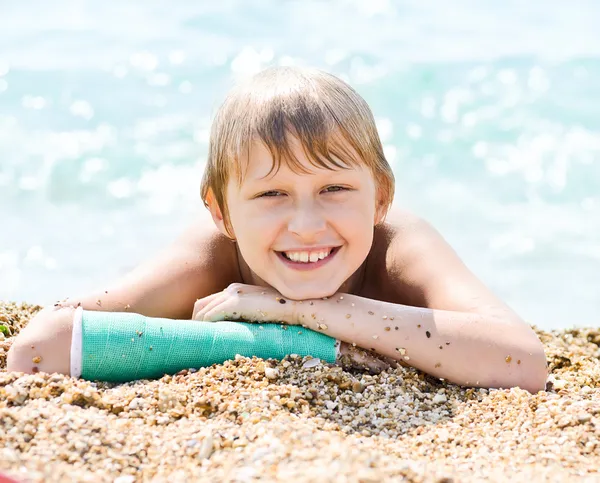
[[409, 264]]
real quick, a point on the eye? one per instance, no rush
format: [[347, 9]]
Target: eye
[[277, 194], [335, 189], [269, 194]]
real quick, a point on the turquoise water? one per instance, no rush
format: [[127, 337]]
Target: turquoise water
[[489, 112]]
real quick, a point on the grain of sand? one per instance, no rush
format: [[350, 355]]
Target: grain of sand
[[302, 420]]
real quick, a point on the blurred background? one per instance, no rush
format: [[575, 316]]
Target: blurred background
[[489, 113]]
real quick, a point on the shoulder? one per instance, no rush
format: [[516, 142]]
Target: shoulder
[[401, 230], [411, 263], [205, 247], [204, 240], [390, 257], [199, 262]]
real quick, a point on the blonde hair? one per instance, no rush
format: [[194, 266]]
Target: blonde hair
[[317, 108]]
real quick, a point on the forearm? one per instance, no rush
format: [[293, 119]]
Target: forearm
[[118, 346], [464, 348], [119, 298]]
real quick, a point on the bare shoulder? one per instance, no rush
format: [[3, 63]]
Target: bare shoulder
[[202, 245], [199, 262], [386, 263], [411, 263], [203, 238]]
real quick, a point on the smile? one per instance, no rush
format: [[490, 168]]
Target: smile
[[306, 256], [307, 260]]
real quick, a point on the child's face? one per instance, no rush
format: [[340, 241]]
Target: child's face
[[304, 216]]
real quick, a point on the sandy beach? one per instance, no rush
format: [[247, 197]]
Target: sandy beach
[[301, 420]]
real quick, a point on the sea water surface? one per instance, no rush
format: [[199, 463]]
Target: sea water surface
[[489, 113]]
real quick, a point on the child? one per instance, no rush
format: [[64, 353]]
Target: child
[[299, 190]]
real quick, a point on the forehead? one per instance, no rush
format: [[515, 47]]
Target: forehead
[[258, 161]]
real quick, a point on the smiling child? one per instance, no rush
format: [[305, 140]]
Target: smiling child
[[300, 192]]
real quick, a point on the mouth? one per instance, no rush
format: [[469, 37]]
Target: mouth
[[304, 260]]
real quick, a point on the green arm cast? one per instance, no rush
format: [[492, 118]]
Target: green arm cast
[[119, 347]]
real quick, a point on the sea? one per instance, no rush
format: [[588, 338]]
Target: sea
[[489, 113]]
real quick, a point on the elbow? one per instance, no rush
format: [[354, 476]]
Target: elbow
[[526, 369], [534, 378], [43, 345], [18, 359], [31, 357], [532, 373]]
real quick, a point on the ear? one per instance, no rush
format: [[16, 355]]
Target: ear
[[217, 215], [381, 208], [380, 215]]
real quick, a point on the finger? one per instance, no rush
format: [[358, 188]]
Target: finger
[[393, 363], [376, 365], [216, 314], [218, 299], [232, 308], [203, 302], [222, 309], [229, 308], [346, 348], [358, 358]]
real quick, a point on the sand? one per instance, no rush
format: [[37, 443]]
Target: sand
[[302, 420]]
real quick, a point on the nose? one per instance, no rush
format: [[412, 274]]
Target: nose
[[307, 220]]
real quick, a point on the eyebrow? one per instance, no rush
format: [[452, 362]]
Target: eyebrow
[[317, 172]]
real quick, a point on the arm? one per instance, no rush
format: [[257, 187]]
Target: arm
[[484, 343], [112, 346], [469, 349], [200, 262], [195, 265]]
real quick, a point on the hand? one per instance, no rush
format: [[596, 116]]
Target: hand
[[352, 357], [246, 303]]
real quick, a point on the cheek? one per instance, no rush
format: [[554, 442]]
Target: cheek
[[254, 230], [356, 224], [265, 220], [355, 214]]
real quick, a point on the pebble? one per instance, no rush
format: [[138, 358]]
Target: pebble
[[302, 418], [584, 418], [124, 479], [312, 363], [206, 448], [358, 386], [271, 373]]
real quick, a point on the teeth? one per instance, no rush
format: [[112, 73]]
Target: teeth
[[305, 256]]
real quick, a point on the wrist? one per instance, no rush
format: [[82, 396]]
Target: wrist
[[316, 314], [283, 310]]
